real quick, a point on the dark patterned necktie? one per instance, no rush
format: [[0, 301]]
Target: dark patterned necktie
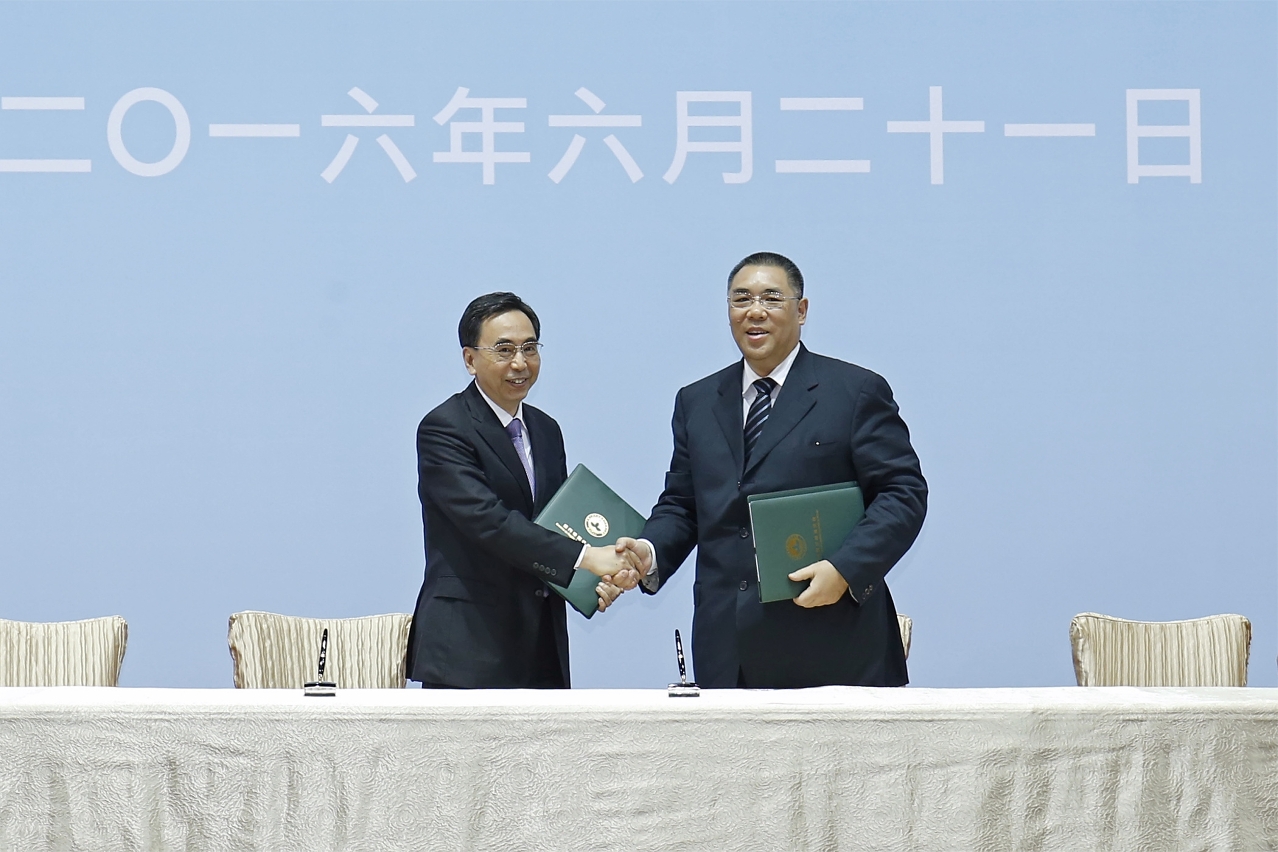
[[759, 410]]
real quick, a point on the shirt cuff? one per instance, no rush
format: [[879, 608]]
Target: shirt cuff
[[652, 580], [580, 556]]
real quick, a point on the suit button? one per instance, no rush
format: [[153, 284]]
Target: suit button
[[744, 585], [745, 533], [541, 593]]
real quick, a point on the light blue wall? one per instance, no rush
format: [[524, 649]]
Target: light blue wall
[[210, 380]]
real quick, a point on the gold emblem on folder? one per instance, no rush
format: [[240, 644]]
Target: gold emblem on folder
[[796, 546], [596, 524]]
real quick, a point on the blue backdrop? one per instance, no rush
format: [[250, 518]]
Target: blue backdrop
[[220, 324]]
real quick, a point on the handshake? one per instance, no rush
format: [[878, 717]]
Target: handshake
[[619, 567]]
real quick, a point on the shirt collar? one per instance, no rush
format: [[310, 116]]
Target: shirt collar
[[502, 414], [749, 376]]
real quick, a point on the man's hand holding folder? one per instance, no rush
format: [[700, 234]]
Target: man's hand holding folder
[[827, 584], [793, 532]]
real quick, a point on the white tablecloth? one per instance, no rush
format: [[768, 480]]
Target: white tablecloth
[[835, 768]]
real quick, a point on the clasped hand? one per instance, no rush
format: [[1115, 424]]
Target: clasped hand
[[619, 568]]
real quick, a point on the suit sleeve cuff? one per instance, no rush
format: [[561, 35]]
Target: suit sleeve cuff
[[652, 580], [861, 584]]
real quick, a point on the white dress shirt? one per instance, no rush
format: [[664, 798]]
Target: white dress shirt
[[749, 377], [651, 580]]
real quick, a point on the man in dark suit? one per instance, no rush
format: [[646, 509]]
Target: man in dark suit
[[487, 463], [783, 418]]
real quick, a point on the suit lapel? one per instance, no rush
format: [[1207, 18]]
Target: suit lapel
[[489, 429], [796, 399], [727, 410], [541, 444]]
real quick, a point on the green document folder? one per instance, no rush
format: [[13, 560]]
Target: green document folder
[[793, 529], [586, 510]]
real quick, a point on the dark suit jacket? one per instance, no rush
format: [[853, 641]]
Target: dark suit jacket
[[483, 597], [832, 422]]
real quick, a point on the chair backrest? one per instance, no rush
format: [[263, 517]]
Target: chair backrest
[[272, 651], [62, 653], [1209, 651], [907, 627]]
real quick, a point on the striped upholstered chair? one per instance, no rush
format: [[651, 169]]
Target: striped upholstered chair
[[273, 651], [1209, 651], [62, 653]]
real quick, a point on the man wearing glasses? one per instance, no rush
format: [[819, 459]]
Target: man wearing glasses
[[487, 463], [781, 418]]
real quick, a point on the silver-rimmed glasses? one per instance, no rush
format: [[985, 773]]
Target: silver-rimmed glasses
[[507, 351], [769, 301]]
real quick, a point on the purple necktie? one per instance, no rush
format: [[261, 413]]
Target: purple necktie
[[516, 431]]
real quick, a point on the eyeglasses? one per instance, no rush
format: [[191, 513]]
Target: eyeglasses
[[771, 301], [507, 351]]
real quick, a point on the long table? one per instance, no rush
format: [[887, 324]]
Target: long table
[[821, 769]]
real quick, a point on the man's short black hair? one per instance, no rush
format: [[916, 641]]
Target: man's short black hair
[[488, 306], [777, 261]]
